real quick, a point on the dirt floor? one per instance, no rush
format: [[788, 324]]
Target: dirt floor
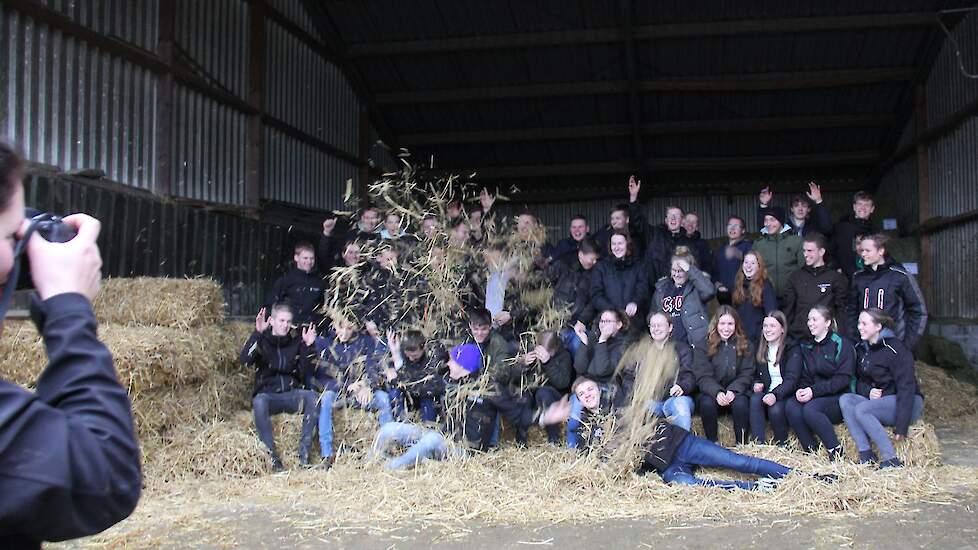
[[950, 523]]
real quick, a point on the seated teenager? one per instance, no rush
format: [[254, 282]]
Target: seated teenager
[[417, 375], [495, 353], [571, 281], [667, 365], [467, 420], [753, 295], [724, 380], [683, 296], [825, 363], [280, 360], [774, 383], [620, 282], [887, 392], [347, 368], [671, 451], [550, 371], [597, 359]]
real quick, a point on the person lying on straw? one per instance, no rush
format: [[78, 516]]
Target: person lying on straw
[[468, 418], [632, 434]]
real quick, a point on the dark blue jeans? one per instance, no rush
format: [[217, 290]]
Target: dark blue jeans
[[819, 415], [301, 402], [695, 451], [761, 414]]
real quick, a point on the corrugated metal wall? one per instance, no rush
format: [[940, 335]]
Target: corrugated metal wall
[[69, 105], [300, 174], [309, 92], [954, 176], [212, 37], [294, 11], [209, 149], [133, 21]]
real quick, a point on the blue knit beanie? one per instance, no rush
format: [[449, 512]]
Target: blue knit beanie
[[469, 356]]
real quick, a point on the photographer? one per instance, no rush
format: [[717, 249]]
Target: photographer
[[69, 460]]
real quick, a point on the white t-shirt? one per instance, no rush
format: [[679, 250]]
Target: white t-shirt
[[773, 367]]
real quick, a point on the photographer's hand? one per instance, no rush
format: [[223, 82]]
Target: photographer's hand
[[71, 267]]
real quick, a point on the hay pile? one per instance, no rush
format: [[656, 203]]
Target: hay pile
[[151, 301], [945, 397]]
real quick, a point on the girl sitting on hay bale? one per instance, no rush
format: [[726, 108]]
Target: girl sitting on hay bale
[[280, 361], [887, 392], [774, 383], [725, 378], [468, 417], [347, 367], [826, 363], [661, 353]]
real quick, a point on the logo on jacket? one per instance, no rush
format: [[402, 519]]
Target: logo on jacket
[[867, 295], [824, 287], [672, 304]]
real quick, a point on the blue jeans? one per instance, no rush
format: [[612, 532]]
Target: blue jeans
[[574, 423], [678, 410], [426, 405], [695, 451], [421, 444], [570, 340], [381, 402]]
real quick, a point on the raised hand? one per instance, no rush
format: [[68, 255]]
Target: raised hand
[[556, 413], [676, 390], [393, 342], [309, 334], [581, 332], [530, 358], [814, 192], [261, 321], [328, 226], [765, 196], [631, 309], [541, 354], [634, 186]]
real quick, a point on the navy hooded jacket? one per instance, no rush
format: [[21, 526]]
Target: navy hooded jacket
[[69, 460]]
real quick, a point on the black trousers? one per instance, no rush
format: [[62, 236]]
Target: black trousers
[[709, 410], [761, 415], [544, 397], [818, 415], [302, 402]]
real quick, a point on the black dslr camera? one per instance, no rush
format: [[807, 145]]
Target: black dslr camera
[[52, 229]]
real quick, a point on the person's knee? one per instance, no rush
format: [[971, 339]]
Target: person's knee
[[259, 403], [679, 478], [740, 404], [849, 401]]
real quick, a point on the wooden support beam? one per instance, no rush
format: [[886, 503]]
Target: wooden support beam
[[800, 80], [854, 158], [646, 32], [256, 100], [926, 268], [663, 128]]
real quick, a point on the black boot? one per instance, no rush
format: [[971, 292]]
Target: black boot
[[867, 457], [277, 465], [553, 434], [891, 463]]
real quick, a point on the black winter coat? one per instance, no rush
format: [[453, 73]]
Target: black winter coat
[[598, 361], [811, 286], [827, 367], [617, 282], [726, 371], [888, 365], [790, 372], [68, 451], [559, 370], [281, 362], [700, 248], [303, 291], [572, 286], [843, 249], [893, 289]]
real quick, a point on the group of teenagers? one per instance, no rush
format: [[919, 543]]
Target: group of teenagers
[[814, 326]]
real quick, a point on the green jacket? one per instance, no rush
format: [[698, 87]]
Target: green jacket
[[783, 256]]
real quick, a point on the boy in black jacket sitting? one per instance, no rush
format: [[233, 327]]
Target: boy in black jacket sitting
[[281, 360], [418, 382]]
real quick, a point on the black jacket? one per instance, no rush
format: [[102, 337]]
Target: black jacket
[[790, 372], [281, 362], [726, 371], [617, 282], [893, 289], [888, 365], [663, 446], [751, 316], [343, 363], [303, 291], [423, 378], [843, 248], [811, 286], [700, 248], [559, 370], [685, 376], [68, 452], [827, 367], [598, 361], [572, 286], [662, 245]]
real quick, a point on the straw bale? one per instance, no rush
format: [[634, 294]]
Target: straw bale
[[921, 448], [177, 303], [217, 397], [944, 396], [145, 357]]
